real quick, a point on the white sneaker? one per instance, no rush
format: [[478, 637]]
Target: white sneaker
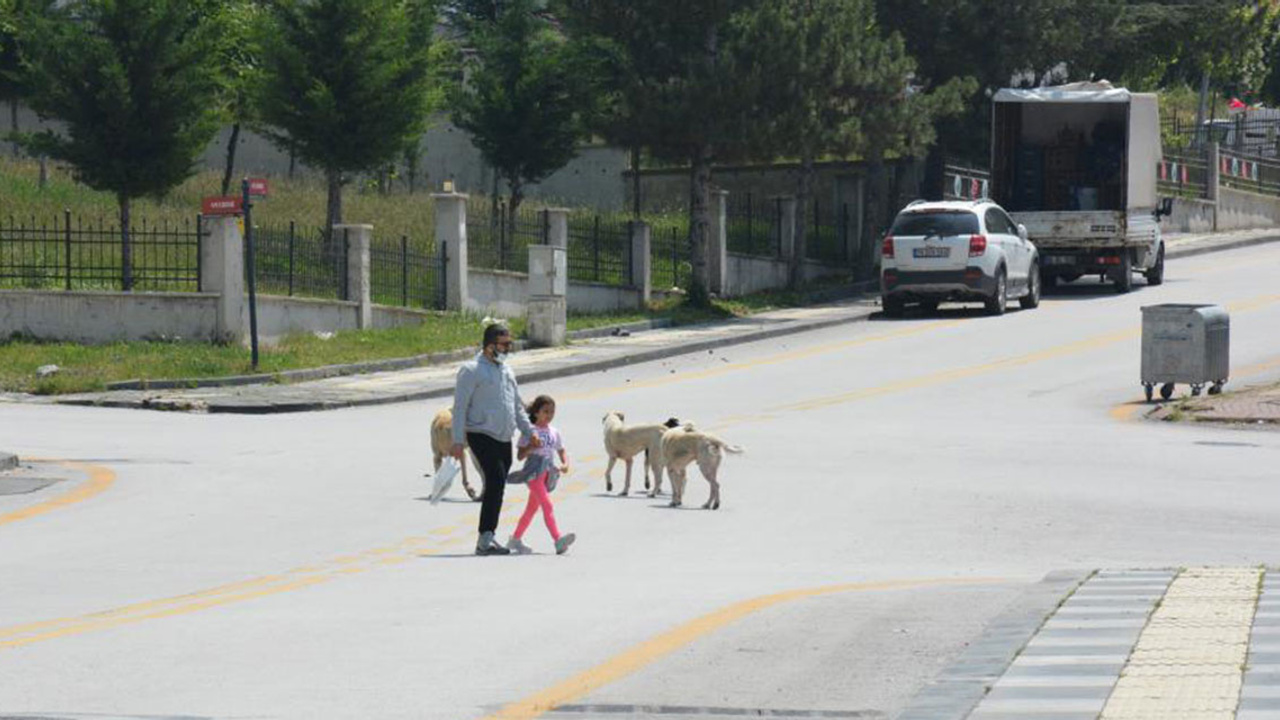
[[517, 546], [562, 545]]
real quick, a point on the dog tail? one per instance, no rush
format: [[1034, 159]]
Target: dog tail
[[727, 447]]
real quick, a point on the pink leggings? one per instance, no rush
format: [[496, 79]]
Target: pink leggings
[[538, 498]]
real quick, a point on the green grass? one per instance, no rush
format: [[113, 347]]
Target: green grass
[[89, 368]]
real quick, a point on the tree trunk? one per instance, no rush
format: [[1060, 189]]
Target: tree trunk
[[635, 180], [874, 210], [700, 226], [513, 203], [126, 249], [44, 172], [13, 124], [384, 180], [1201, 108], [411, 169], [231, 159], [293, 162], [804, 191], [333, 215]]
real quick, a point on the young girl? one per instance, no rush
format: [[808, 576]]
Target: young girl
[[541, 412]]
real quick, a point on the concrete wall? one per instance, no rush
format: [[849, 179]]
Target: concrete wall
[[102, 317], [1241, 210], [390, 316], [503, 294], [749, 274], [1189, 216], [279, 316]]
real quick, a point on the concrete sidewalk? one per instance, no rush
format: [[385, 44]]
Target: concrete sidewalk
[[590, 355], [1252, 406], [1200, 643]]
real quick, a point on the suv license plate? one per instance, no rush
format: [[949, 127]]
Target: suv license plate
[[931, 252]]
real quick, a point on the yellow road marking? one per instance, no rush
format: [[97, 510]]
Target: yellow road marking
[[654, 649], [100, 478]]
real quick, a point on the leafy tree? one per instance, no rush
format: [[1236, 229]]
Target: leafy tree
[[521, 100], [347, 83], [830, 83], [239, 53], [135, 120], [689, 93]]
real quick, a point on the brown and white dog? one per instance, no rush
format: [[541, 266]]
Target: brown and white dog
[[442, 443], [623, 442], [684, 445]]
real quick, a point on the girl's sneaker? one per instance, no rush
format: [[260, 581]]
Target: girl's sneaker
[[517, 546], [562, 545]]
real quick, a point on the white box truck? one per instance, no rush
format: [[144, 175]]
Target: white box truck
[[1076, 164]]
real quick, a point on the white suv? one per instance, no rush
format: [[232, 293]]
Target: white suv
[[962, 251]]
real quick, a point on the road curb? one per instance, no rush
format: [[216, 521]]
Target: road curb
[[293, 406], [8, 461], [1175, 253], [958, 689]]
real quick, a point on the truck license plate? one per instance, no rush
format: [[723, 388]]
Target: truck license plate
[[1060, 260], [931, 252]]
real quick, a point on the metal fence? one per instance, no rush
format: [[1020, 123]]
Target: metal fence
[[1184, 176], [753, 226], [407, 274], [670, 254], [1249, 172], [1257, 136], [600, 249], [499, 240], [72, 254], [302, 262], [828, 226]]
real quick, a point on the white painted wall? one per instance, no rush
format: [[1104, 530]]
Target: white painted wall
[[103, 317]]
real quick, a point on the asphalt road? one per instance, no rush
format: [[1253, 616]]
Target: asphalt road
[[904, 482]]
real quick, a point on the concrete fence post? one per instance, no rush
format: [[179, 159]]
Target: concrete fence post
[[547, 321], [451, 229], [718, 243], [641, 261], [1214, 179], [558, 227], [359, 286], [222, 272], [786, 226]]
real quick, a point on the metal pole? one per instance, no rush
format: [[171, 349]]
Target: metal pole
[[291, 244], [404, 270], [595, 249], [443, 275], [66, 232], [253, 284], [199, 252]]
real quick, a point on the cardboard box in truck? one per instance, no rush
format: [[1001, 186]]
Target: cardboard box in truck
[[1076, 164]]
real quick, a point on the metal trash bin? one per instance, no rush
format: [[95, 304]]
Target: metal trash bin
[[1185, 343]]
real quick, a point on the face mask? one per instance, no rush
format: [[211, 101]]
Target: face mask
[[501, 357]]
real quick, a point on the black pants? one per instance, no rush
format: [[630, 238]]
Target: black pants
[[494, 457]]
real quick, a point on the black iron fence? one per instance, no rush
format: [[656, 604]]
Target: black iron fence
[[1249, 172], [1184, 176], [600, 249], [754, 226], [302, 262], [73, 254], [1258, 136], [498, 239], [828, 229], [965, 183], [407, 273], [670, 254]]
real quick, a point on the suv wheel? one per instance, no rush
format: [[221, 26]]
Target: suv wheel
[[893, 306], [1031, 300], [999, 299]]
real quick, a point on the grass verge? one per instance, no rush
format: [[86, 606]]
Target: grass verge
[[89, 368]]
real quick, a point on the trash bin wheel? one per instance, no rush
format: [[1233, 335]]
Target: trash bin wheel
[[1149, 389], [1166, 391], [1215, 389], [1195, 390]]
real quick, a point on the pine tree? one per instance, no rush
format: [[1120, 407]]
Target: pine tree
[[135, 120], [347, 84]]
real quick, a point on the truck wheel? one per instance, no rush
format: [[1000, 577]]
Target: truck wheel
[[1124, 273], [892, 306], [999, 300], [1031, 300], [1166, 391], [1155, 276]]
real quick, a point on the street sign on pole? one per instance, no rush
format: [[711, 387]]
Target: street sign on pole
[[228, 205], [253, 284], [258, 187]]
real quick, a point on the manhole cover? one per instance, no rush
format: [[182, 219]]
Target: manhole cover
[[22, 486]]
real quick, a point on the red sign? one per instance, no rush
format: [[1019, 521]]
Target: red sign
[[258, 187], [229, 205]]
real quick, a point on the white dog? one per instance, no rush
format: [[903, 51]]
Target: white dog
[[682, 446], [623, 442], [442, 443]]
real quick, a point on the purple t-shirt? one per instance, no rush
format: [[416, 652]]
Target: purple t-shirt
[[550, 442]]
